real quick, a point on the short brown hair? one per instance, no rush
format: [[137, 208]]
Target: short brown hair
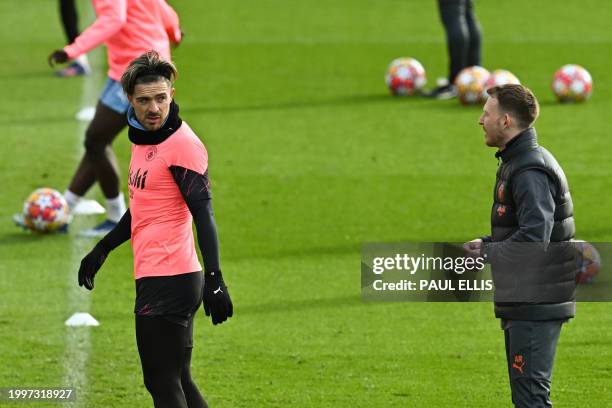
[[149, 67], [518, 101]]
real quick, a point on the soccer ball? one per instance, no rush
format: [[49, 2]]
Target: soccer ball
[[589, 262], [572, 83], [501, 77], [405, 76], [45, 210], [470, 85]]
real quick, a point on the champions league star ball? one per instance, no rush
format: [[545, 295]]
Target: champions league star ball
[[572, 83], [405, 76], [470, 84], [501, 77], [589, 262], [45, 210]]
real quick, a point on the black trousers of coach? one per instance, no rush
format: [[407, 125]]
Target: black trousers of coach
[[530, 352]]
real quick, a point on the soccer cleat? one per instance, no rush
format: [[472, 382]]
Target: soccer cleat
[[19, 221], [76, 68], [442, 81], [99, 230], [443, 92], [86, 206], [86, 114]]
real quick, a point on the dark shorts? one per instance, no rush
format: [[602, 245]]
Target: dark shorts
[[176, 298]]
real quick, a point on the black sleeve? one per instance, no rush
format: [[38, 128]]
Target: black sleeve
[[121, 233], [195, 190], [532, 191]]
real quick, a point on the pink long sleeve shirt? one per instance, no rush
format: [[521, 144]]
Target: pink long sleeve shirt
[[128, 28]]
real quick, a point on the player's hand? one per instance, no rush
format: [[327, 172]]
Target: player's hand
[[57, 57], [90, 266], [216, 298], [473, 248], [174, 44]]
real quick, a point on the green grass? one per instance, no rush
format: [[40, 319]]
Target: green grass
[[309, 157]]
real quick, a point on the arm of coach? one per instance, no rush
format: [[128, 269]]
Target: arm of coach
[[532, 191]]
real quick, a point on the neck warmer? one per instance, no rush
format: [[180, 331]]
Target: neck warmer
[[140, 136]]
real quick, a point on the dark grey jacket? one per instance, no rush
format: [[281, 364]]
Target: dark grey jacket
[[532, 261]]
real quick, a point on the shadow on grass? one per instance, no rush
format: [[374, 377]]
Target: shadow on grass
[[306, 252], [37, 121], [42, 74], [598, 234], [587, 343], [556, 103], [21, 238], [283, 306], [415, 102]]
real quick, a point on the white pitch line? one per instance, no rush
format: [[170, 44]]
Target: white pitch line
[[77, 339]]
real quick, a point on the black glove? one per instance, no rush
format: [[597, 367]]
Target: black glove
[[216, 298], [90, 265], [57, 57]]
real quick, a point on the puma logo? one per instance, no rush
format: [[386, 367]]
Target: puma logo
[[218, 290]]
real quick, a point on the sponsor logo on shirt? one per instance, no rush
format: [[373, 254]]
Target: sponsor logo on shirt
[[138, 179]]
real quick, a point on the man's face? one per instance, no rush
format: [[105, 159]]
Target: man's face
[[493, 123], [151, 103]]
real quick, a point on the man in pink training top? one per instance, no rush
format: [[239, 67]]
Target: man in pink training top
[[168, 188], [128, 28]]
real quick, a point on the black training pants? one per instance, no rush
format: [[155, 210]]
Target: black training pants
[[462, 35], [70, 19], [530, 353], [165, 354]]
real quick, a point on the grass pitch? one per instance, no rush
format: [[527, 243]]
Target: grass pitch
[[309, 157]]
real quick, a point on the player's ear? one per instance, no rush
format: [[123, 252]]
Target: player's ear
[[507, 120], [130, 98], [172, 92]]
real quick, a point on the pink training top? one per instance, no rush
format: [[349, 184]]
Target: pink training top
[[128, 28], [162, 235]]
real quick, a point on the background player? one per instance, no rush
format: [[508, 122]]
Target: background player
[[70, 23], [463, 40], [128, 28]]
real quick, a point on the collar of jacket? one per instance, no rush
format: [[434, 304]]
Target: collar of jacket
[[527, 139], [140, 136]]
